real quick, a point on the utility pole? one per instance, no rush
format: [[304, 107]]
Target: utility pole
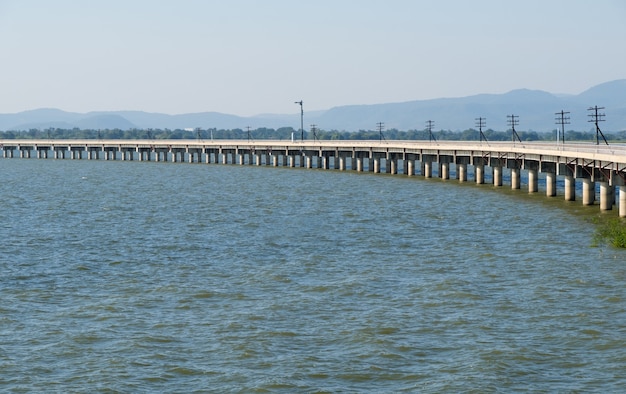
[[198, 136], [595, 118], [248, 127], [381, 127], [314, 131], [480, 123], [513, 120], [301, 119], [562, 120], [429, 126]]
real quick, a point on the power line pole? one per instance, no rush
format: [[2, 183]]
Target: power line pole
[[301, 119], [248, 127], [429, 126], [314, 131], [480, 123], [595, 118], [562, 120], [513, 120], [381, 127]]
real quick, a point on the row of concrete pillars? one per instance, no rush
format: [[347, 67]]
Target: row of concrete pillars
[[339, 162]]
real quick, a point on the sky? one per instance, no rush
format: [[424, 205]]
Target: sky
[[250, 57]]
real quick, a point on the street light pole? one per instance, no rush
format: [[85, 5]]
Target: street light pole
[[301, 119]]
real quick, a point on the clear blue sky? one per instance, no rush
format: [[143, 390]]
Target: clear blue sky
[[249, 57]]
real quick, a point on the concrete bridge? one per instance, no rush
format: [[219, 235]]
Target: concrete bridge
[[596, 167]]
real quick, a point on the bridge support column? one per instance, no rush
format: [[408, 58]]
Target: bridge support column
[[589, 191], [309, 161], [479, 173], [570, 188], [392, 165], [533, 181], [516, 179], [359, 164], [461, 170], [622, 201], [606, 196], [444, 171], [376, 165], [410, 167], [497, 176], [428, 169], [292, 161], [550, 184], [342, 163]]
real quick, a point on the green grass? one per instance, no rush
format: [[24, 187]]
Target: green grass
[[612, 231]]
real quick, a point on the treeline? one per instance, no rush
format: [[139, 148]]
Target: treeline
[[286, 133]]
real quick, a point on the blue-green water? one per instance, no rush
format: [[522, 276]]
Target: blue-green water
[[161, 277]]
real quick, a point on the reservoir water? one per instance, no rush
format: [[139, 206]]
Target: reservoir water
[[162, 277]]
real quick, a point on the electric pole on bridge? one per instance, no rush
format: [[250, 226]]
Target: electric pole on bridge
[[381, 127], [314, 131], [301, 119], [595, 118], [480, 123], [562, 120], [429, 126], [513, 120]]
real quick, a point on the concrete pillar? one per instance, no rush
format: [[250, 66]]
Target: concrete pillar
[[570, 188], [589, 191], [359, 164], [461, 170], [393, 166], [444, 171], [225, 158], [550, 184], [479, 173], [516, 182], [410, 167], [342, 163], [376, 165], [292, 161], [422, 168], [533, 181], [606, 196], [622, 201], [497, 176], [428, 169]]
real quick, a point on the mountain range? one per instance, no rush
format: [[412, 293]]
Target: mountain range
[[536, 110]]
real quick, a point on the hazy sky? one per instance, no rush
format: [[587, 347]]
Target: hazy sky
[[248, 57]]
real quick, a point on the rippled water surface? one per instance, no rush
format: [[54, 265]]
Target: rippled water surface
[[161, 277]]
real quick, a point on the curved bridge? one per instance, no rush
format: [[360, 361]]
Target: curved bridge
[[587, 163]]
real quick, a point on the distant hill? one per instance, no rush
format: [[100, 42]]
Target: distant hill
[[536, 110]]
